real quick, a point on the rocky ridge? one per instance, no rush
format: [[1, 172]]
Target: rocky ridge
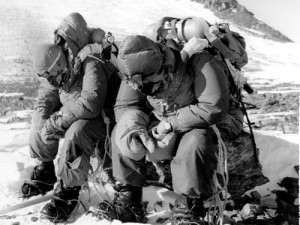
[[232, 11]]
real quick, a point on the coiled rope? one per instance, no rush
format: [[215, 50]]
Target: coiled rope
[[100, 166], [215, 199]]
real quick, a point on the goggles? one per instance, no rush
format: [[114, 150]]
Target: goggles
[[47, 73], [145, 84]]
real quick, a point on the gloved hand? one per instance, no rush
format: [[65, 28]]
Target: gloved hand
[[141, 140], [55, 127], [49, 133], [195, 45], [165, 148], [211, 32], [161, 130], [214, 30]]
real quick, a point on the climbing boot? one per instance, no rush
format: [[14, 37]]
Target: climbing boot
[[63, 203], [188, 210], [126, 206], [41, 181]]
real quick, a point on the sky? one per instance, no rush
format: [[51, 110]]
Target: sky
[[282, 15]]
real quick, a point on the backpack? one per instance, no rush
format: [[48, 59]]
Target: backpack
[[231, 45]]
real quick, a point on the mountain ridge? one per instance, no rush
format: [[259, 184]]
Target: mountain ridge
[[238, 14]]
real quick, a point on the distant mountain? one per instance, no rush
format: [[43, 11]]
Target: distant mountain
[[232, 11]]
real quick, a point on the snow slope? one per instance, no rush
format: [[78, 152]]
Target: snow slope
[[26, 23]]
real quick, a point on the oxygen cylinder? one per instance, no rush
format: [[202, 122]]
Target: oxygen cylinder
[[191, 27], [182, 29]]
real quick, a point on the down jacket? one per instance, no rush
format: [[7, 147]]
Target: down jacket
[[197, 97], [82, 96]]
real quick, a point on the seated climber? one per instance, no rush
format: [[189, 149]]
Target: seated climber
[[70, 106], [166, 105]]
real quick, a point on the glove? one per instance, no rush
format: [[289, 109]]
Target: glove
[[55, 127], [214, 30], [164, 148], [49, 134], [164, 127], [161, 130], [141, 140], [195, 45]]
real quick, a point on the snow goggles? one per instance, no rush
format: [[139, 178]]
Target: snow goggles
[[149, 87], [47, 73]]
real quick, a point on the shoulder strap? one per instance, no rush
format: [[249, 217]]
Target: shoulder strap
[[96, 58]]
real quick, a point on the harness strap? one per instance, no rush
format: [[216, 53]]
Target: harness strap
[[173, 29]]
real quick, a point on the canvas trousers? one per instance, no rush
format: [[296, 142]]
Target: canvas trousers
[[192, 167], [79, 144]]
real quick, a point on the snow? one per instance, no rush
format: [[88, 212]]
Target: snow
[[270, 63]]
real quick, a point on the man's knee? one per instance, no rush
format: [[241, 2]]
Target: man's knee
[[197, 141], [77, 129], [197, 137]]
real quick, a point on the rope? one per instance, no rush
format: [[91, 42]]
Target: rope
[[217, 188], [99, 169]]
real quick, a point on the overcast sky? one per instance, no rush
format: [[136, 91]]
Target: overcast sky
[[282, 15]]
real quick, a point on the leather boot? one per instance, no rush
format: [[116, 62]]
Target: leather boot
[[41, 181], [126, 206], [63, 203], [188, 210]]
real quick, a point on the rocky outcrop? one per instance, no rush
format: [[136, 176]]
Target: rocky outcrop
[[232, 11]]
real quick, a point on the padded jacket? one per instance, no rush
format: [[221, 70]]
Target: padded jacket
[[84, 95], [198, 97]]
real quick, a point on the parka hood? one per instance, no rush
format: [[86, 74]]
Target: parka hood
[[74, 31], [139, 55], [73, 34]]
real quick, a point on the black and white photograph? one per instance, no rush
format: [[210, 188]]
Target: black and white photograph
[[165, 112]]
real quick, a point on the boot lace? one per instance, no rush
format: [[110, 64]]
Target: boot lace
[[113, 210]]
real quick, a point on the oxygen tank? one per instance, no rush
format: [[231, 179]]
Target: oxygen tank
[[182, 30], [191, 27], [177, 29]]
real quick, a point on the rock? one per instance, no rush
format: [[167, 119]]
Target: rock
[[297, 168], [256, 196], [244, 172], [269, 201], [34, 219], [249, 211], [291, 184]]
